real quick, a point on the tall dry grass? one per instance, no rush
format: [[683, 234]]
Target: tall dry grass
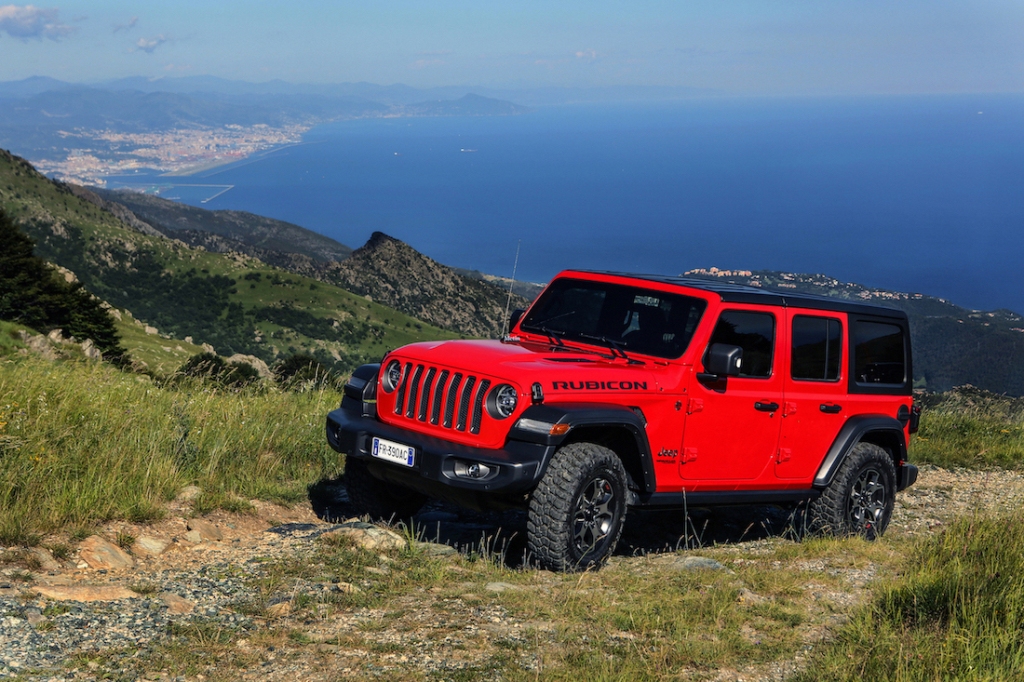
[[81, 442], [971, 428]]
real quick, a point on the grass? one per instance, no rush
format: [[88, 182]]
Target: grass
[[82, 443], [638, 619], [955, 614], [971, 428]]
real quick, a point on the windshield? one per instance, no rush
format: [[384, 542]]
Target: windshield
[[616, 316]]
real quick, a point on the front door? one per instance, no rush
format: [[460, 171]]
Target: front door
[[732, 424]]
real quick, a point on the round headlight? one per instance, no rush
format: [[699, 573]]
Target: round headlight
[[502, 401], [392, 375]]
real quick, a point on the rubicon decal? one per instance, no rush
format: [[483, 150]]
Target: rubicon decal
[[599, 385]]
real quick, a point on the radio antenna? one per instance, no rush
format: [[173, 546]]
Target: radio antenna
[[508, 302]]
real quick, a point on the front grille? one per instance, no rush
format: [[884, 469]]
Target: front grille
[[441, 397]]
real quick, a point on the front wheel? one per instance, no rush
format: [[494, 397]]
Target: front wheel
[[577, 511], [860, 499]]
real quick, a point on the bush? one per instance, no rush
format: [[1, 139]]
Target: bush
[[301, 370], [212, 367]]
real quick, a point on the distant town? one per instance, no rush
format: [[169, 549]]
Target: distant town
[[94, 155]]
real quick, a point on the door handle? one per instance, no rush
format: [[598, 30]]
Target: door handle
[[766, 407], [830, 408]]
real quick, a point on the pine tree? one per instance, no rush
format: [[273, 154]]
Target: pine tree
[[33, 294]]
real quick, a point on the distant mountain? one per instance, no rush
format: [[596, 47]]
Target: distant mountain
[[467, 105], [953, 346], [393, 273]]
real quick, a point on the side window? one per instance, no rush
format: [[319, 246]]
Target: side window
[[879, 355], [817, 347], [754, 333]]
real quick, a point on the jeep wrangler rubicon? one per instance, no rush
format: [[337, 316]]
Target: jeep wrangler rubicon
[[615, 391]]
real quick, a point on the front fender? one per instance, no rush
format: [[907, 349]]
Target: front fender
[[559, 423]]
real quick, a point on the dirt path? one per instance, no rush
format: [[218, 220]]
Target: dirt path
[[201, 579]]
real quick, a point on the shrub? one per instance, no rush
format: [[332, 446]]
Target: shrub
[[212, 367]]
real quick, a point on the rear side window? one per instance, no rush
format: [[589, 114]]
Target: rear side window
[[817, 348], [879, 353], [754, 333]]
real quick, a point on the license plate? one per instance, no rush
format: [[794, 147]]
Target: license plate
[[393, 452]]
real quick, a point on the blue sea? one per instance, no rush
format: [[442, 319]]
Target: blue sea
[[922, 194]]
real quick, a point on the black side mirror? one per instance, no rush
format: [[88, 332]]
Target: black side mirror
[[723, 360], [514, 318]]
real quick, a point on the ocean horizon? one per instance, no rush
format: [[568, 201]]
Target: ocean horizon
[[918, 194]]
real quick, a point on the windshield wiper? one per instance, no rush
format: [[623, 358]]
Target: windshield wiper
[[554, 336], [614, 345]]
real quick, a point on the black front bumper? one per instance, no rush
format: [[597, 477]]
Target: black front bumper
[[516, 468]]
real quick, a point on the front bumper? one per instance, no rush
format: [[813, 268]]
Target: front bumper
[[514, 469]]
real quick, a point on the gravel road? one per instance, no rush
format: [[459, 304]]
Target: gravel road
[[200, 579]]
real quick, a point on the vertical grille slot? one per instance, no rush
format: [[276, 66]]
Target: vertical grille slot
[[435, 410], [425, 395], [466, 398], [478, 406], [453, 394], [400, 396], [414, 386]]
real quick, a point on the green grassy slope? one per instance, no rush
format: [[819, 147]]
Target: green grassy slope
[[81, 442], [235, 303]]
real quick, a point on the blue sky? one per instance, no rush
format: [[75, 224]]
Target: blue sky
[[753, 47]]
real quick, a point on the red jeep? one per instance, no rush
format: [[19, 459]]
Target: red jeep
[[615, 391]]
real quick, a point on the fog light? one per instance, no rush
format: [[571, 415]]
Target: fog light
[[474, 470]]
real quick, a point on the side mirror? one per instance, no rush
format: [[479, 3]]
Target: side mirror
[[514, 318], [723, 360]]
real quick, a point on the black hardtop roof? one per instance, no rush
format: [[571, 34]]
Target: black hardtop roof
[[741, 293]]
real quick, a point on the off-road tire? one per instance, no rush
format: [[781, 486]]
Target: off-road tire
[[377, 499], [860, 499], [578, 509]]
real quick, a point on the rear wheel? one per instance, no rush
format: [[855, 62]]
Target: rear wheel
[[860, 499], [578, 509], [376, 498]]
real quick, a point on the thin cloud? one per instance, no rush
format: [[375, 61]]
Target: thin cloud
[[126, 26], [147, 45], [29, 21], [589, 55], [435, 53]]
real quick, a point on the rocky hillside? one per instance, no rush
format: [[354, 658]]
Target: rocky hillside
[[232, 302], [953, 346], [385, 269], [393, 273], [261, 235]]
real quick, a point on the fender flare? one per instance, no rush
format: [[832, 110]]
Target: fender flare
[[853, 432], [582, 416]]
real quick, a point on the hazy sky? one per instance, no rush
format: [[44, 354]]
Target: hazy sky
[[739, 46]]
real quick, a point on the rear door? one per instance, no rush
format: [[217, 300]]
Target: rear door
[[733, 424], [815, 402]]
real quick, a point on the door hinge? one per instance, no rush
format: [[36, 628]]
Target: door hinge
[[785, 454], [689, 455], [788, 409], [695, 405]]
